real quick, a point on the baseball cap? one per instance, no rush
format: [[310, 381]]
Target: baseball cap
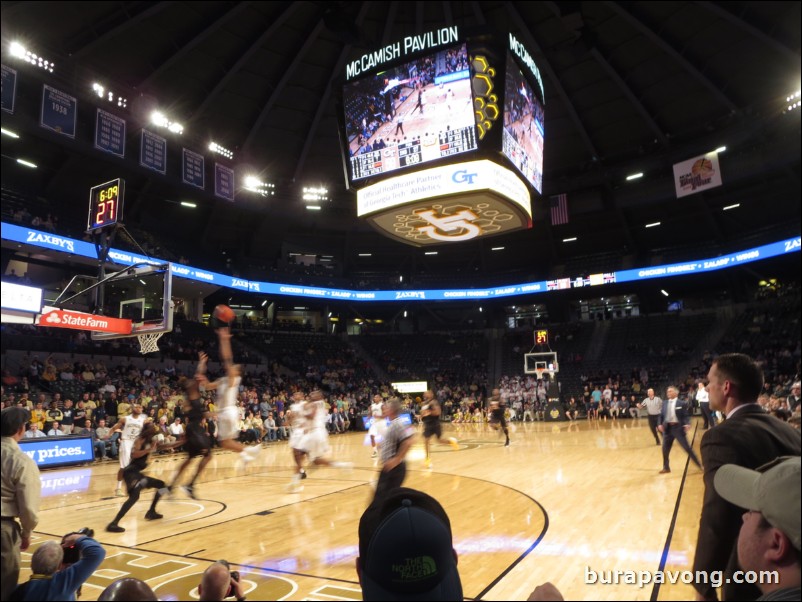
[[772, 489], [406, 550]]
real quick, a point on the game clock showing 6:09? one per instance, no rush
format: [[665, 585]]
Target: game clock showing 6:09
[[106, 204]]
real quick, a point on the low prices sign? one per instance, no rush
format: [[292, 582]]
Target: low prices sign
[[59, 318]]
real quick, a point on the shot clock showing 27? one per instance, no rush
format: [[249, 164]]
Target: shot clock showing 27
[[105, 204]]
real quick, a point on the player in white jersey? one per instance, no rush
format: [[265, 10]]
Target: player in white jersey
[[313, 440], [227, 388], [378, 426], [129, 427]]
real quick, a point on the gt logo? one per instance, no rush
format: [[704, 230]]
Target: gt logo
[[463, 176], [459, 221]]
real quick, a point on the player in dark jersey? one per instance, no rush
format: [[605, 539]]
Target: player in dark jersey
[[197, 442], [430, 412], [497, 418], [136, 481]]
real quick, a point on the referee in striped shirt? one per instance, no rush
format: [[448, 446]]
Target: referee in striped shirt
[[653, 405]]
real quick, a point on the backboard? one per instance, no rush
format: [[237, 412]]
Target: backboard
[[545, 361], [141, 293]]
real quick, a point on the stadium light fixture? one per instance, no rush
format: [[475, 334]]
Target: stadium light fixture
[[159, 119], [793, 102], [720, 149], [256, 185], [315, 194], [313, 207], [653, 224], [572, 239], [188, 204], [497, 249], [220, 150], [665, 294], [366, 254], [101, 92], [430, 253], [9, 133], [728, 207], [27, 163], [634, 176], [19, 51]]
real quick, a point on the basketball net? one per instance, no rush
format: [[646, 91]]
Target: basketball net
[[148, 342], [539, 372]]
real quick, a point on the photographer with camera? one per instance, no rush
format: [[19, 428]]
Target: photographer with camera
[[60, 569], [219, 582]]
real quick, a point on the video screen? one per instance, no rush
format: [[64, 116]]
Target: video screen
[[409, 115], [523, 126], [406, 418]]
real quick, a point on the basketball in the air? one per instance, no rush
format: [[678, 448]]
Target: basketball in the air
[[224, 314]]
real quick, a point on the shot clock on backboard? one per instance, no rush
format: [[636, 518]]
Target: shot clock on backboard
[[105, 204]]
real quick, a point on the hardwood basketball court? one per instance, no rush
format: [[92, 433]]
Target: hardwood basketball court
[[561, 498]]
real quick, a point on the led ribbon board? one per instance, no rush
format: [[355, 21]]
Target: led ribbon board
[[70, 246]]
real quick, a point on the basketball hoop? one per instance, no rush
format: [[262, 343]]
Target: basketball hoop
[[539, 372], [148, 342]]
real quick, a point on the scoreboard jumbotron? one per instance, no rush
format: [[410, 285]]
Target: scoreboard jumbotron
[[444, 142]]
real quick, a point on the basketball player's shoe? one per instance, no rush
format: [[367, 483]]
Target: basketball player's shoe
[[453, 443], [295, 485], [249, 454]]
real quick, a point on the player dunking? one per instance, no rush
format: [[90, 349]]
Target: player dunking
[[430, 411], [135, 481], [497, 417], [377, 426], [197, 442], [227, 387], [130, 427]]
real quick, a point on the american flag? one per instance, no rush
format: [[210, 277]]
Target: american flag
[[559, 209]]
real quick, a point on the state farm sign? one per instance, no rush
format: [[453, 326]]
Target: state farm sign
[[57, 318]]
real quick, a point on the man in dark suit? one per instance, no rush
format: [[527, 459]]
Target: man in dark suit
[[675, 420], [749, 437]]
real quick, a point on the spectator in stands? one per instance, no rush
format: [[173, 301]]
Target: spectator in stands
[[176, 429], [67, 417], [85, 428], [103, 434], [33, 432], [39, 415], [271, 430], [387, 547], [794, 399], [55, 430]]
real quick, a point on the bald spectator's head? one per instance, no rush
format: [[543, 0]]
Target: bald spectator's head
[[127, 589], [215, 582], [47, 558]]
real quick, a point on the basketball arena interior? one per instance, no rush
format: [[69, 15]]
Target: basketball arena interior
[[544, 198]]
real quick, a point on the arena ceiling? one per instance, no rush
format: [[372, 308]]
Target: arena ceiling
[[629, 87]]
